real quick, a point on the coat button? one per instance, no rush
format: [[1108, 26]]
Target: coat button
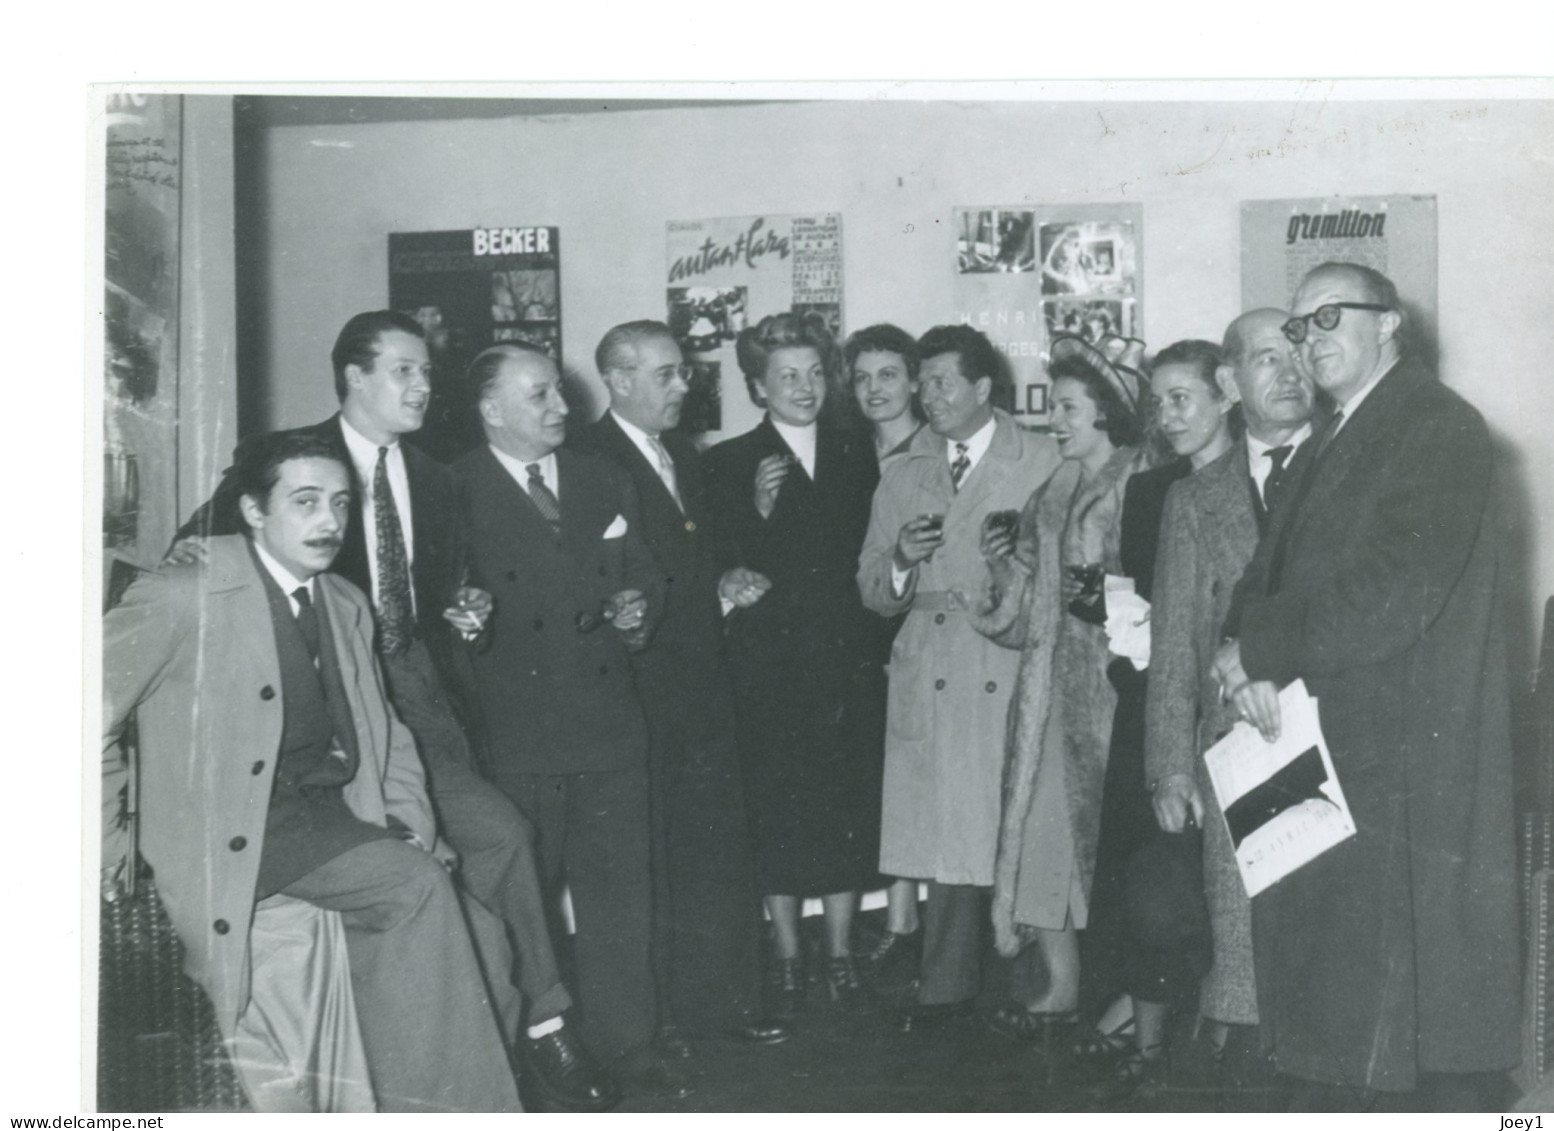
[[603, 570], [267, 693], [258, 769], [938, 685], [539, 624], [221, 926], [689, 525], [991, 686], [604, 669], [238, 843], [938, 618], [512, 575]]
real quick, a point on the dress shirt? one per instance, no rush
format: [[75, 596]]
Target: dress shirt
[[977, 445], [285, 579], [1349, 408], [801, 440], [1262, 466], [519, 470], [648, 445], [364, 455]]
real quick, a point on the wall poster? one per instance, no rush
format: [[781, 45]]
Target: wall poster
[[471, 289], [140, 315], [726, 274], [1024, 273], [1281, 240]]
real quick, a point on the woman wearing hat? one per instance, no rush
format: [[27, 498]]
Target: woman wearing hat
[[1045, 599]]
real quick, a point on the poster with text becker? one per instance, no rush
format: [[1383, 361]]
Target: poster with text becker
[[470, 289], [726, 274], [1027, 271]]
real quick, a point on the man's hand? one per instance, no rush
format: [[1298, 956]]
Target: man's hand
[[743, 587], [470, 610], [918, 539], [1174, 796], [1256, 702], [186, 551], [769, 476], [630, 609]]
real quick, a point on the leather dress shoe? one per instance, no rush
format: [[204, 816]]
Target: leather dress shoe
[[564, 1074], [923, 1018], [647, 1073], [762, 1031]]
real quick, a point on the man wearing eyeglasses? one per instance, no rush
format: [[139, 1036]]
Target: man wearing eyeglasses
[[706, 907], [1389, 963]]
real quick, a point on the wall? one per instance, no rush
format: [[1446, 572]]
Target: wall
[[896, 171]]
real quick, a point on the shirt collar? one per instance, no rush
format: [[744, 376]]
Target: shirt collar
[[1256, 449], [283, 576], [977, 443], [801, 440], [519, 469], [363, 450], [1365, 391], [645, 443]]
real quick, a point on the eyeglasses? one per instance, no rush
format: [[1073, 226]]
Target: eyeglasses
[[1326, 317]]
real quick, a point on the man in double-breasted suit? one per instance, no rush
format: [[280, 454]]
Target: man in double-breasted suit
[[272, 763], [1392, 958], [405, 548], [706, 910], [1207, 535], [555, 535]]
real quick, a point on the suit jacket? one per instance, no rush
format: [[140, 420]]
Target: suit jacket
[[556, 700], [686, 658], [193, 647], [1396, 951], [439, 554]]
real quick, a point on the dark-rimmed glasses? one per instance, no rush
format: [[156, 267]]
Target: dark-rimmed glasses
[[1326, 316]]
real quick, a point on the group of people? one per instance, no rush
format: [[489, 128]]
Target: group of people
[[865, 644]]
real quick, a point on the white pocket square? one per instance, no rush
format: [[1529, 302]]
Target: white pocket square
[[617, 528]]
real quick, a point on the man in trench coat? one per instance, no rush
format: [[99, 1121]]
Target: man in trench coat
[[949, 685], [1394, 954]]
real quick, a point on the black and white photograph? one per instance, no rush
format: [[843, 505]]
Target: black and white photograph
[[762, 670]]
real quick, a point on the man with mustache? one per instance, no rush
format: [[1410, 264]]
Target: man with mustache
[[1390, 962], [405, 547], [271, 764]]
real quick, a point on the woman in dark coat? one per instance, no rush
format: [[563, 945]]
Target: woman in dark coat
[[794, 497]]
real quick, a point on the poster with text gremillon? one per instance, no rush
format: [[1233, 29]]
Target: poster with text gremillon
[[1025, 272], [726, 274], [1281, 240]]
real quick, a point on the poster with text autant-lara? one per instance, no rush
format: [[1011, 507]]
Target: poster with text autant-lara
[[726, 274]]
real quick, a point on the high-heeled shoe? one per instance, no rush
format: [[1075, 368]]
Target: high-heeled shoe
[[842, 978], [785, 985], [1048, 1031]]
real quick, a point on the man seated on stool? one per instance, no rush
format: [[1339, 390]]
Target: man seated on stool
[[271, 762]]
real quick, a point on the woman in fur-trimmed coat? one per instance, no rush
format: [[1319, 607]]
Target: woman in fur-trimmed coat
[[1060, 719]]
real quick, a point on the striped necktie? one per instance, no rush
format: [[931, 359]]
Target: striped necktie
[[545, 500]]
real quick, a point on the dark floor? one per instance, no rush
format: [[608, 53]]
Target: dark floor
[[855, 1057]]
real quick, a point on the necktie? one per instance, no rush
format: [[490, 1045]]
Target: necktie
[[959, 465], [1320, 443], [396, 617], [544, 499], [1276, 456], [307, 619], [666, 470]]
